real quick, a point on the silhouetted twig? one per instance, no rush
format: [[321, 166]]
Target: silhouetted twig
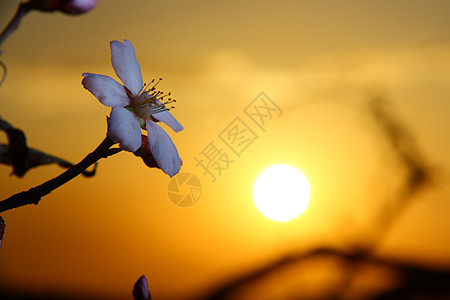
[[416, 171], [4, 71], [21, 11], [415, 279], [34, 195], [22, 158]]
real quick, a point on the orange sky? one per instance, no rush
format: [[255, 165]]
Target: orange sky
[[318, 61]]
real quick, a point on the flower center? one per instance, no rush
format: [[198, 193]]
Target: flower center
[[148, 100]]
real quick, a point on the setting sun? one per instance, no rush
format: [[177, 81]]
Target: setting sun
[[281, 192]]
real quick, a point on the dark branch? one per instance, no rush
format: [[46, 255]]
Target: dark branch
[[34, 195], [21, 11]]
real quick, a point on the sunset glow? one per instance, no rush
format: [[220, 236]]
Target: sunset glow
[[353, 94]]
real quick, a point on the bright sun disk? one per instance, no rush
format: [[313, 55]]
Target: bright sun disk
[[281, 192]]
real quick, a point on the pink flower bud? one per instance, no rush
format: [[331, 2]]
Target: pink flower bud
[[72, 7], [78, 6], [140, 290]]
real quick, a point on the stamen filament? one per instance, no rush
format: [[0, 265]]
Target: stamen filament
[[148, 101]]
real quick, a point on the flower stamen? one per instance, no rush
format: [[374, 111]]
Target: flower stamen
[[148, 101], [153, 87]]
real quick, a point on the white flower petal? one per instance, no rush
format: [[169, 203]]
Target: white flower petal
[[108, 91], [163, 149], [123, 59], [167, 118], [123, 128]]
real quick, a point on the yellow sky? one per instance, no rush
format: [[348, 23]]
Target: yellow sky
[[319, 61]]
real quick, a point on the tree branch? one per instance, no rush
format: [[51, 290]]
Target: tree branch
[[21, 11], [34, 195]]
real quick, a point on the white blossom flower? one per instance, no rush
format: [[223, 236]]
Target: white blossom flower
[[135, 105]]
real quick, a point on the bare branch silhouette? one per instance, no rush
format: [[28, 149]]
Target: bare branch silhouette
[[34, 195]]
